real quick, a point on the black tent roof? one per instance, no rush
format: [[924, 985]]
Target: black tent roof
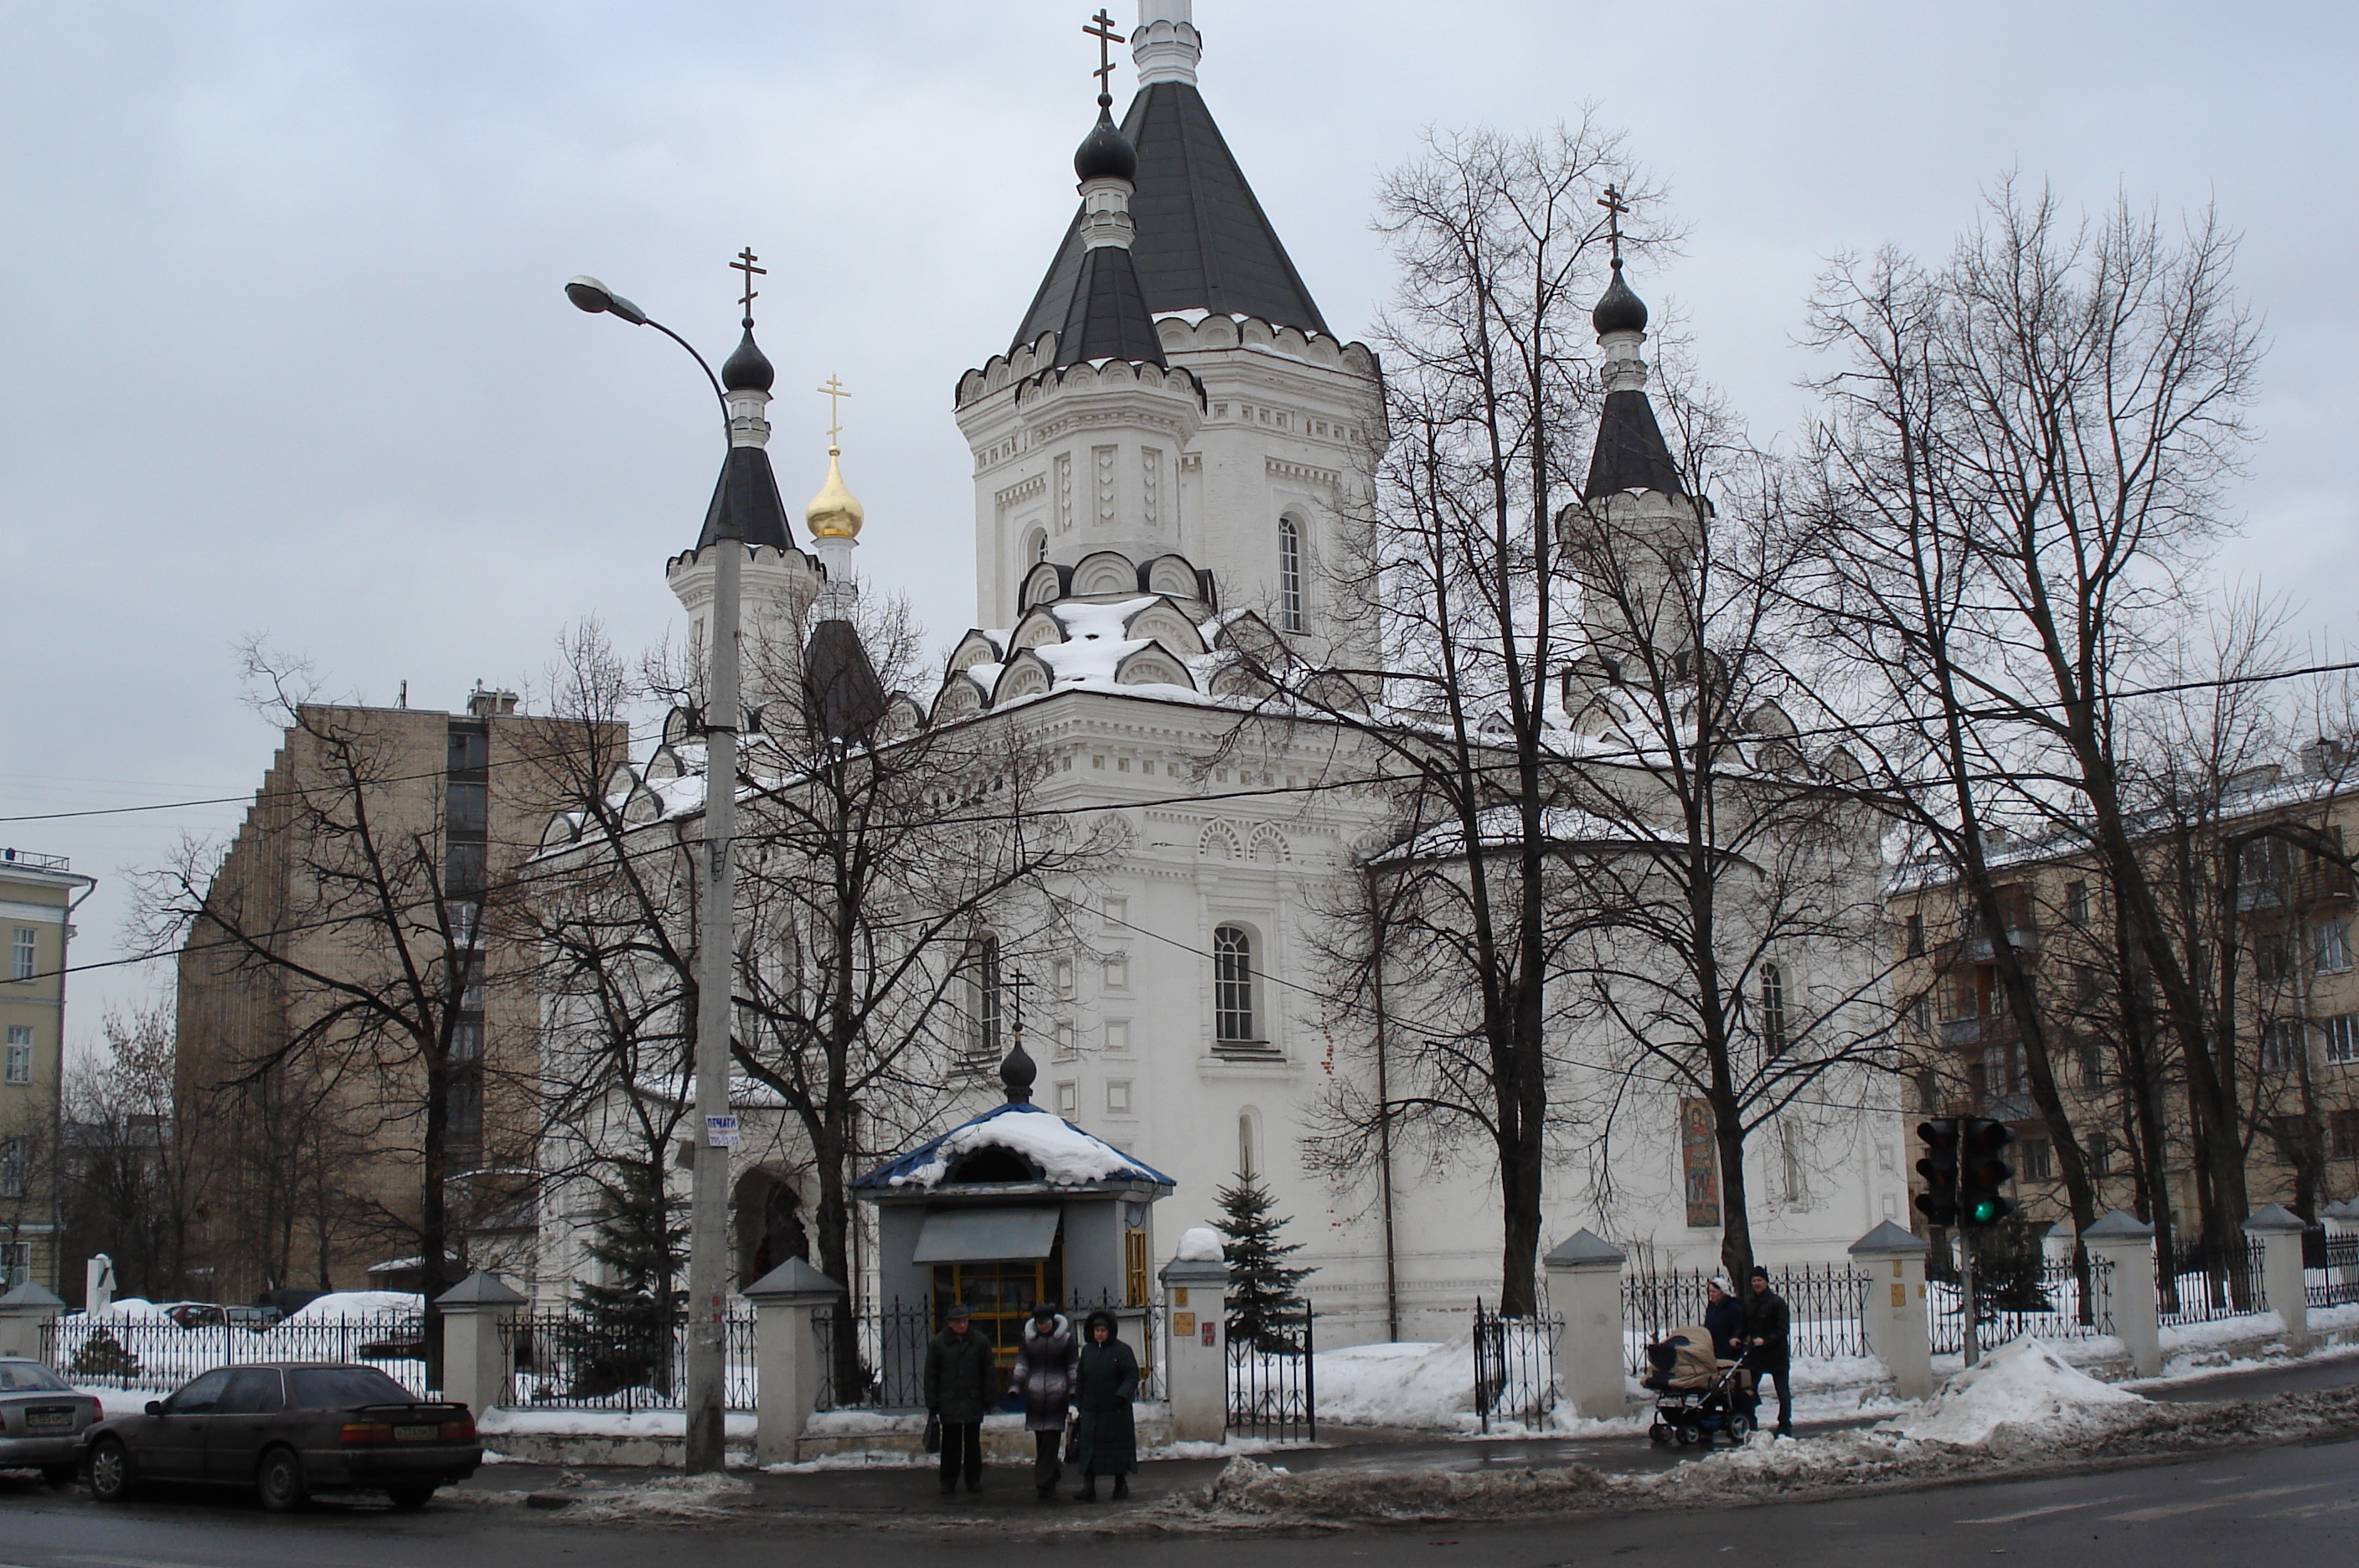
[[845, 698], [1631, 453], [746, 499], [1203, 242], [1105, 315]]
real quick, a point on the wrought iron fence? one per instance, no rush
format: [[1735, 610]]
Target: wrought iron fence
[[565, 1360], [1275, 1393], [2334, 1281], [2038, 1298], [1515, 1366], [157, 1353], [2198, 1283], [877, 1359], [1825, 1302]]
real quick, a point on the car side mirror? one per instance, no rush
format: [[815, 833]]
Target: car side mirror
[[155, 1407]]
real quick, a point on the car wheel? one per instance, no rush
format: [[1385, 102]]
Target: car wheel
[[58, 1475], [112, 1478], [279, 1481], [415, 1496]]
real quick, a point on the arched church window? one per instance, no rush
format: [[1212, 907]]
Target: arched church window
[[983, 998], [1233, 985], [1773, 1010], [1246, 1144], [1035, 549], [1289, 574]]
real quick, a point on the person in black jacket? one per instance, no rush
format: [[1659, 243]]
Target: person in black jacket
[[1106, 1382], [961, 1383], [1769, 1326], [1723, 1314]]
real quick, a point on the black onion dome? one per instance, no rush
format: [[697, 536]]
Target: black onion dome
[[1618, 310], [747, 369], [1105, 153]]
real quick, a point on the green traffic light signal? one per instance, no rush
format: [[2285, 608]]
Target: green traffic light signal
[[1983, 1172]]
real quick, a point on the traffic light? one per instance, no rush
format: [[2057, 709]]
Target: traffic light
[[1983, 1172], [1939, 1201]]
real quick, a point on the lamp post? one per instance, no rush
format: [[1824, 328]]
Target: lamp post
[[716, 945]]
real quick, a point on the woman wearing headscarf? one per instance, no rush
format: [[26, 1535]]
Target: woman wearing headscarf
[[1724, 1315], [1106, 1438], [1045, 1363]]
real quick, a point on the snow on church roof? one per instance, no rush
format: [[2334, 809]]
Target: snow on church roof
[[1063, 1154]]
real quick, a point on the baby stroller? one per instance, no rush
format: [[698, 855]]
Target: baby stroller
[[1702, 1397]]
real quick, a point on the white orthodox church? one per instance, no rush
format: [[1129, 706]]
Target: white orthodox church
[[1164, 456]]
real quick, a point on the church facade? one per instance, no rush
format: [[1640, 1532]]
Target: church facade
[[1166, 456]]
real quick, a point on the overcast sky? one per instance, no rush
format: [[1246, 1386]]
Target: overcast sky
[[282, 348]]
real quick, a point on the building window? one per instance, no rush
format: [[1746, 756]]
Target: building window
[[2092, 1063], [1066, 1048], [2343, 1135], [2037, 1161], [1068, 1099], [20, 1054], [2281, 1047], [24, 951], [2330, 944], [1118, 1098], [983, 997], [1773, 1010], [2269, 956], [12, 1167], [1245, 1166], [15, 1263], [2342, 1037], [1036, 550], [2100, 1155], [1289, 574], [1233, 985], [468, 808], [1914, 927], [2076, 902], [2084, 986]]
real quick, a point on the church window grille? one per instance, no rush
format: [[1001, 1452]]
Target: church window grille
[[1233, 985], [1773, 1010], [1289, 574]]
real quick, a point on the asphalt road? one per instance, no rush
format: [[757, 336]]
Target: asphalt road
[[2287, 1508]]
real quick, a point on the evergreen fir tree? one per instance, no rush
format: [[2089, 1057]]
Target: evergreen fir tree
[[620, 1333], [1264, 1303]]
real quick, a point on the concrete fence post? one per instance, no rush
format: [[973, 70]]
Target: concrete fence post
[[2279, 1230], [25, 1312], [787, 1354], [2126, 1243], [1895, 1317], [1196, 1294], [1584, 1283], [2342, 1221], [476, 1360]]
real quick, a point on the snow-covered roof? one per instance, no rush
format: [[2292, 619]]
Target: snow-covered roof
[[1062, 1154]]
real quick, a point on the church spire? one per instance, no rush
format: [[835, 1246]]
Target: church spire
[[1630, 453], [746, 504], [1106, 315]]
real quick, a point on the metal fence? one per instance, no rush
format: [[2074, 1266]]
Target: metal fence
[[1825, 1303], [2334, 1281], [2198, 1284], [158, 1353], [1515, 1366], [882, 1363], [1275, 1393], [2039, 1298], [565, 1360]]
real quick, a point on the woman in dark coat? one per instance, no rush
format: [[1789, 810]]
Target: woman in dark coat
[[1043, 1374], [1108, 1380]]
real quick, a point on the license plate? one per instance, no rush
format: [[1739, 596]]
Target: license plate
[[416, 1433], [49, 1421]]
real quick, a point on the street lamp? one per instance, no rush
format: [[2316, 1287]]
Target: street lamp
[[716, 942]]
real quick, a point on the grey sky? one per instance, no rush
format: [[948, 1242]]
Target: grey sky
[[283, 351]]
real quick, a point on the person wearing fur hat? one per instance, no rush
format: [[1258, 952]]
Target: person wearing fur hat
[[1045, 1363], [962, 1381], [1106, 1438], [1769, 1324]]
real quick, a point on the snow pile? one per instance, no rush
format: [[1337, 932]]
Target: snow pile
[[1405, 1384], [1064, 1155], [129, 1309], [680, 1499], [1200, 1244], [2022, 1384], [343, 1306], [1247, 1489], [738, 1425], [863, 1459]]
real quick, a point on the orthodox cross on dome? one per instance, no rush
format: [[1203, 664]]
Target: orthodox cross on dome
[[1615, 207], [1018, 1072], [834, 391], [744, 264], [1101, 27]]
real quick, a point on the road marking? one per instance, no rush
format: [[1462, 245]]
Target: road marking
[[2140, 1516], [2050, 1508], [2312, 1510]]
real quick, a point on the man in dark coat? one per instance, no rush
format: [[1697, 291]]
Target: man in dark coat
[[1769, 1324], [961, 1383], [1045, 1363], [1106, 1436]]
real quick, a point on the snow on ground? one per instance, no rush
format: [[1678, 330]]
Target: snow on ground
[[126, 1308], [866, 1459], [113, 1402], [2022, 1384], [672, 1500], [1405, 1384], [342, 1306], [603, 1424]]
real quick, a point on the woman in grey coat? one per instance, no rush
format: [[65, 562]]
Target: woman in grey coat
[[1043, 1375]]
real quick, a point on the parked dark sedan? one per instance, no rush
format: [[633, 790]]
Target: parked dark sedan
[[288, 1430], [41, 1420]]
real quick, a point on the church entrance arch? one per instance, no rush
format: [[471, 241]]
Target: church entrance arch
[[769, 1224]]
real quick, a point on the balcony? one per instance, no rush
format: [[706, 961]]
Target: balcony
[[1980, 949], [31, 861], [1987, 1029]]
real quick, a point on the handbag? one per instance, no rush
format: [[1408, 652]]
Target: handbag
[[1073, 1440], [933, 1439]]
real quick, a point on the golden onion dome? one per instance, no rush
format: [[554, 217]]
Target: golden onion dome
[[835, 512]]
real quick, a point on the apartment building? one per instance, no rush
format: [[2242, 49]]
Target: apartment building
[[38, 896]]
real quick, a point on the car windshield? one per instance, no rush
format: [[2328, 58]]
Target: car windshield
[[341, 1388], [27, 1377]]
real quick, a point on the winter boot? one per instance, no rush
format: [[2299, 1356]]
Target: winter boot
[[1121, 1487], [1089, 1492]]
